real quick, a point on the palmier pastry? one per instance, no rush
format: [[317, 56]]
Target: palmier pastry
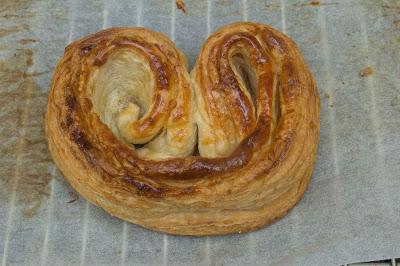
[[228, 148]]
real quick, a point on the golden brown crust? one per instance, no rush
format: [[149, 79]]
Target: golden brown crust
[[253, 100]]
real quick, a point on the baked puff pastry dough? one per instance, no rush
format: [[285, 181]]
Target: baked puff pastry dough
[[228, 148]]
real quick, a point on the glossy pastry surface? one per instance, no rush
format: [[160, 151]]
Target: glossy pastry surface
[[228, 148]]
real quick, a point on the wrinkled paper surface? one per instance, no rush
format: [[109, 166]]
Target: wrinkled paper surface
[[351, 211]]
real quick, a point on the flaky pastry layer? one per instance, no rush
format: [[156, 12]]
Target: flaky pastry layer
[[228, 148]]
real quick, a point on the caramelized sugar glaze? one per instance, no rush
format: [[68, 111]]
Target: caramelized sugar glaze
[[228, 148]]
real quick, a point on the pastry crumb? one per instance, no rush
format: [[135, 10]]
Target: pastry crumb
[[365, 72], [180, 5], [314, 3], [327, 95], [74, 197]]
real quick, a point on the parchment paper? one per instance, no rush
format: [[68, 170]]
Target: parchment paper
[[351, 211]]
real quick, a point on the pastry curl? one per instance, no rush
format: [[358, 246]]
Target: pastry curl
[[229, 148]]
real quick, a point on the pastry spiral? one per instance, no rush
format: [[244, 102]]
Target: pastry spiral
[[228, 148]]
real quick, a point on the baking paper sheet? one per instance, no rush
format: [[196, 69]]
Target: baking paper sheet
[[351, 211]]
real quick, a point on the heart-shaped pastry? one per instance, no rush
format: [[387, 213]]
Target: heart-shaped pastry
[[228, 148]]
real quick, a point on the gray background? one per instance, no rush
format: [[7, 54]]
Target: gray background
[[351, 209]]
